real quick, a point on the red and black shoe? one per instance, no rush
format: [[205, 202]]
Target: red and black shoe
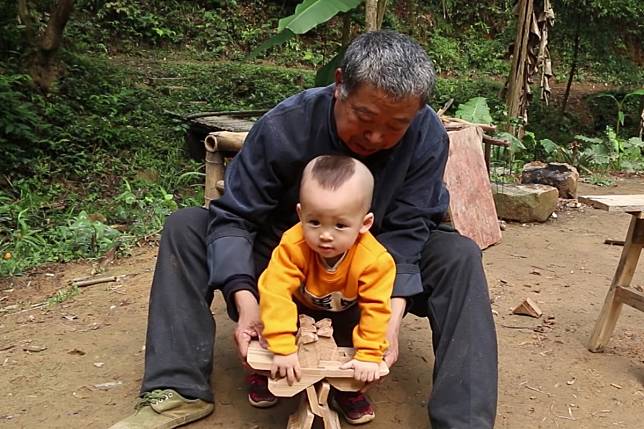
[[354, 407], [258, 394]]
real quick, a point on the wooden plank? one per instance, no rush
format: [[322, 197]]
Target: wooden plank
[[261, 359], [471, 208], [630, 297], [279, 387], [615, 203]]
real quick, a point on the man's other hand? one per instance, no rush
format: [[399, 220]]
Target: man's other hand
[[249, 325]]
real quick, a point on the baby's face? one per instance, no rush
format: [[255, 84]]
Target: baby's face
[[332, 220]]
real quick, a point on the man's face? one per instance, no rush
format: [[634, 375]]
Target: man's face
[[368, 120]]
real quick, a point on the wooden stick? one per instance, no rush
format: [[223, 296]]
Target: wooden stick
[[94, 281]]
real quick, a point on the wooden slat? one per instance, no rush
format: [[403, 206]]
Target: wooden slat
[[261, 359], [615, 203], [630, 297]]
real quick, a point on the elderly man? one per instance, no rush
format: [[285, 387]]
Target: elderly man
[[376, 111]]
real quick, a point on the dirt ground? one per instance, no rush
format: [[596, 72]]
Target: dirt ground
[[79, 364]]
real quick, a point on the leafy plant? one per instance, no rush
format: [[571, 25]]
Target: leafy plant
[[308, 14], [619, 103], [475, 110]]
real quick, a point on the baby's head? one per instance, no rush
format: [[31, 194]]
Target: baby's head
[[335, 198]]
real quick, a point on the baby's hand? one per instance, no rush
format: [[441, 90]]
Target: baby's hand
[[286, 366], [363, 371]]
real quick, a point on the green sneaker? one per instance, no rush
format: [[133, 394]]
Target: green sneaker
[[164, 409]]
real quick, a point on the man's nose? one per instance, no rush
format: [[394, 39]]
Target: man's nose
[[374, 137]]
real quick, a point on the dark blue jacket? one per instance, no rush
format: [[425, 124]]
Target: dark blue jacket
[[262, 185]]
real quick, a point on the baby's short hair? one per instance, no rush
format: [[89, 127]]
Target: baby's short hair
[[332, 171]]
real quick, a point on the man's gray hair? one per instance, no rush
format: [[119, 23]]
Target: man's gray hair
[[389, 61]]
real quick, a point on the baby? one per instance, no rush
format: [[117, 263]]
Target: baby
[[329, 265]]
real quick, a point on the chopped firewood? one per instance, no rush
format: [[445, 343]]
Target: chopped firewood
[[528, 308]]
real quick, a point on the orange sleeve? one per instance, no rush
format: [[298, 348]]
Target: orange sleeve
[[374, 298], [277, 284]]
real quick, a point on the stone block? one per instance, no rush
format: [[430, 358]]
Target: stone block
[[525, 203], [562, 176]]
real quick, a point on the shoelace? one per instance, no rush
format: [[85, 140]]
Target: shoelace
[[151, 398]]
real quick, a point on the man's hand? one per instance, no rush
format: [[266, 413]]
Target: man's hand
[[286, 366], [397, 312], [363, 371], [248, 324]]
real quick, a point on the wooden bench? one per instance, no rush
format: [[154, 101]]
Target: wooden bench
[[619, 292]]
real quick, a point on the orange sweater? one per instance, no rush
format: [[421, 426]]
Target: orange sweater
[[364, 276]]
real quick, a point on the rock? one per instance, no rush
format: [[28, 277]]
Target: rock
[[562, 176], [525, 203]]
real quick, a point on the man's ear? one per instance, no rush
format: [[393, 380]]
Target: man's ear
[[298, 209], [338, 82], [367, 223]]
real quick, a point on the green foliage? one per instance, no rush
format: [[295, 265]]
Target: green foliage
[[619, 103], [18, 122], [308, 15], [63, 295], [475, 110]]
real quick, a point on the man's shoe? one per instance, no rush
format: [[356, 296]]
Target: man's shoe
[[354, 407], [164, 409], [258, 394]]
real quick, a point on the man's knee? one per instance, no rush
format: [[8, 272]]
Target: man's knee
[[452, 248], [180, 222]]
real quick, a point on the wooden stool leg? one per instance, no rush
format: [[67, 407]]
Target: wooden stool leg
[[303, 417], [623, 275], [329, 416]]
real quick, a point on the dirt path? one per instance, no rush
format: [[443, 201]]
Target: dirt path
[[547, 377]]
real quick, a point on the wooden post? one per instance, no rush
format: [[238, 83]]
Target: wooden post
[[216, 143], [515, 91]]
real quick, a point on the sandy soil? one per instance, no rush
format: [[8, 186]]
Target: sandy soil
[[89, 366]]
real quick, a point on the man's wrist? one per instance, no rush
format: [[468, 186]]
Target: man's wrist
[[398, 306], [246, 303]]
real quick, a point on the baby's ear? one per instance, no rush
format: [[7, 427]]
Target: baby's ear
[[298, 209], [367, 223]]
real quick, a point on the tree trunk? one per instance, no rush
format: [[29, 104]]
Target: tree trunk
[[43, 68], [382, 6], [517, 77], [371, 14], [573, 68], [346, 29], [412, 12]]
